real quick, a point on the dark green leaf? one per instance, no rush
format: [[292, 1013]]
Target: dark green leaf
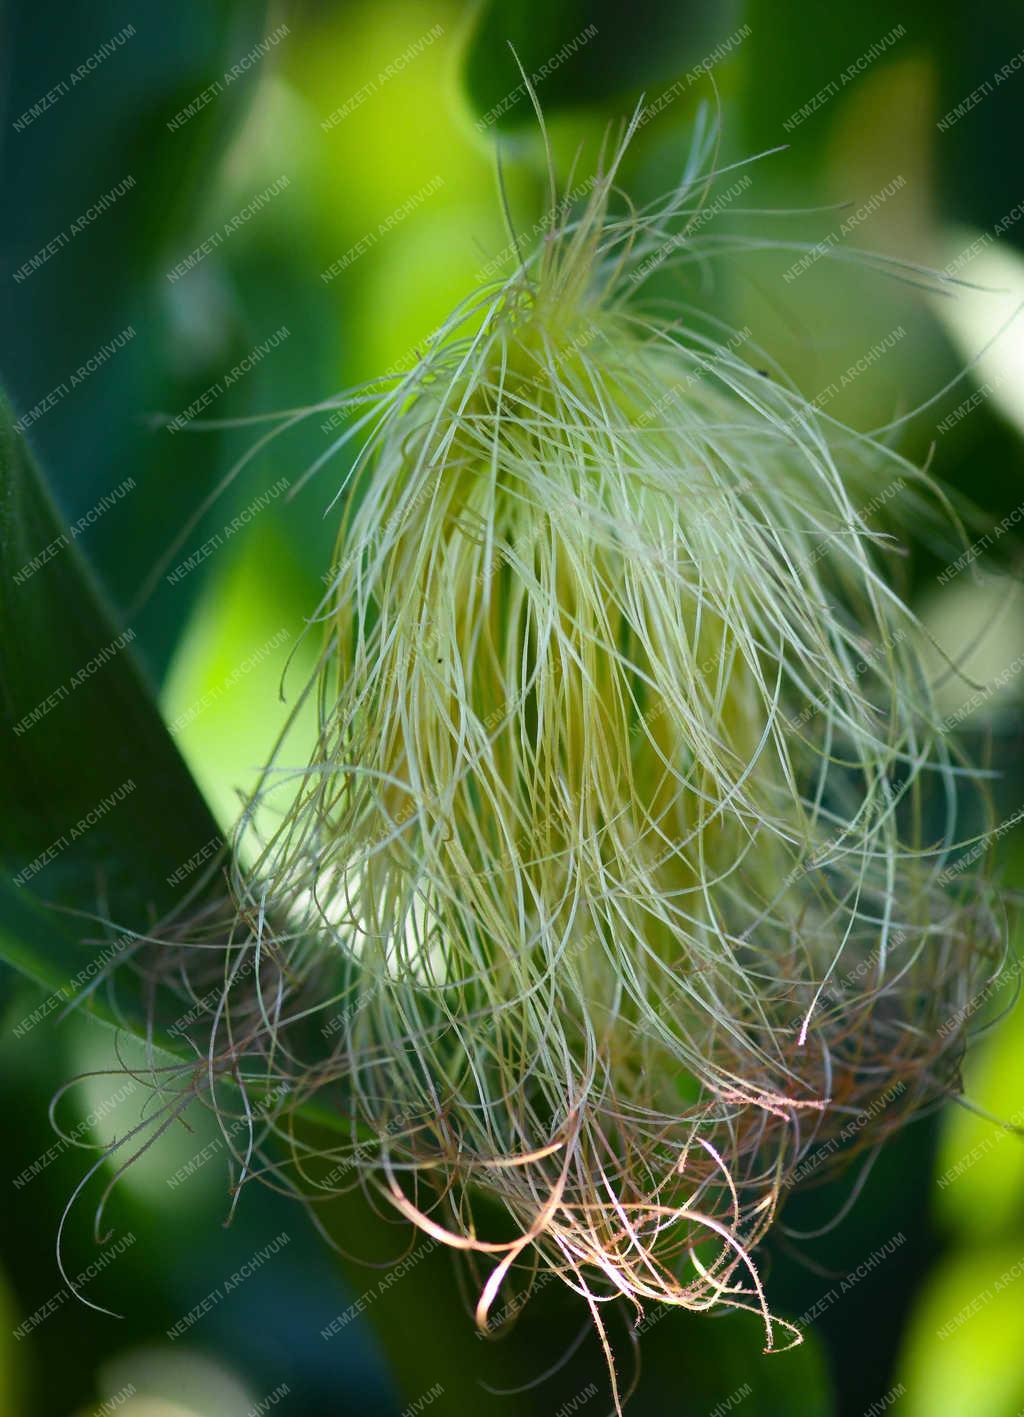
[[100, 810], [574, 54]]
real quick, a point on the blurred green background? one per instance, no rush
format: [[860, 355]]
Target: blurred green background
[[374, 113]]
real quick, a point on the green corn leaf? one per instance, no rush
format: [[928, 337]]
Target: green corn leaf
[[100, 812]]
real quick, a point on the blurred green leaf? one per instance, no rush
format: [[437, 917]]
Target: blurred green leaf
[[962, 1356], [727, 1369], [574, 54], [101, 810], [11, 1378]]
